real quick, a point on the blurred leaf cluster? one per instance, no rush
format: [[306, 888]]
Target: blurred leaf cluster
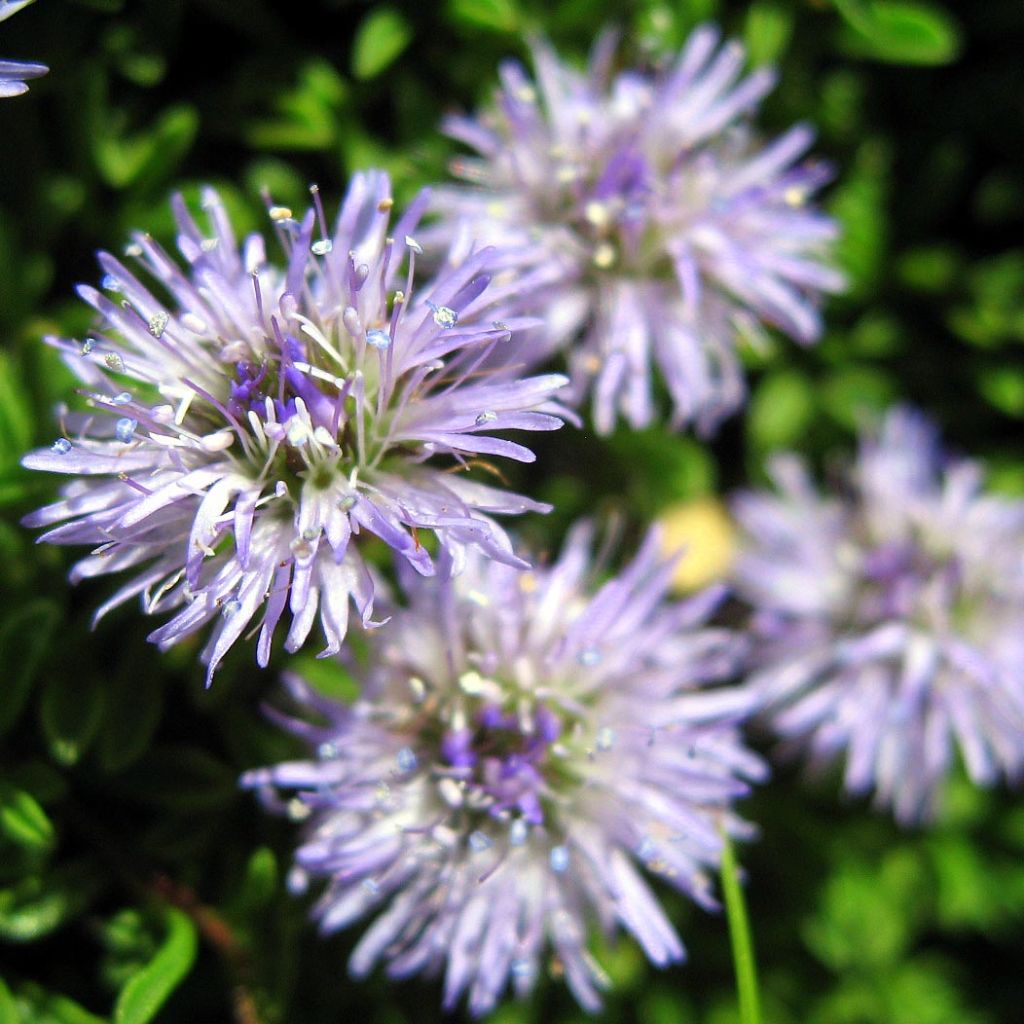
[[136, 882]]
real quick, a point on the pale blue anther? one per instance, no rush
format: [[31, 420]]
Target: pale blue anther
[[378, 339], [522, 968], [124, 429], [478, 842], [518, 832]]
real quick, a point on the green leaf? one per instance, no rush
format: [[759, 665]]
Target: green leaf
[[859, 203], [869, 912], [70, 713], [853, 390], [1006, 476], [781, 409], [767, 30], [180, 778], [146, 991], [8, 1008], [129, 943], [382, 36], [964, 894], [40, 904], [899, 32], [1003, 388], [40, 779], [23, 821], [995, 314], [308, 114], [662, 468], [16, 419], [25, 641], [328, 676], [259, 883], [134, 706], [931, 268], [172, 137], [150, 155], [841, 104], [495, 15], [44, 1007]]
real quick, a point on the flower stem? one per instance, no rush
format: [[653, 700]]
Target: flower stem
[[739, 935]]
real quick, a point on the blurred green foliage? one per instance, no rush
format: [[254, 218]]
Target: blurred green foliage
[[136, 882]]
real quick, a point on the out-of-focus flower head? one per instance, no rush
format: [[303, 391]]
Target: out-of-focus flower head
[[890, 617], [520, 751], [15, 73], [251, 424], [660, 227]]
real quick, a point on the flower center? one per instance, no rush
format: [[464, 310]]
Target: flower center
[[499, 760], [905, 581]]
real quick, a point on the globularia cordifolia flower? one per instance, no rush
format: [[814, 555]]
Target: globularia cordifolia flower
[[667, 228], [890, 617], [519, 752], [250, 423], [14, 73]]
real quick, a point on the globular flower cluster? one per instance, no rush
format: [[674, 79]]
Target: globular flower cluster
[[13, 73], [665, 230], [891, 617], [251, 423], [521, 750]]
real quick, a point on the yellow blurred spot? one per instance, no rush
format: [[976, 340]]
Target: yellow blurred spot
[[527, 582], [604, 256], [703, 528], [597, 213], [794, 196]]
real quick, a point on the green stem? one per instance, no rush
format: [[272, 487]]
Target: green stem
[[739, 935]]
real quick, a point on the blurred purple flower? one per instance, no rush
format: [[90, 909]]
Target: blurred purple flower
[[658, 226], [14, 73], [890, 617], [250, 423], [518, 751]]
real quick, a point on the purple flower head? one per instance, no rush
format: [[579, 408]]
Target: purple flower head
[[250, 423], [659, 227], [14, 73], [890, 617], [520, 751]]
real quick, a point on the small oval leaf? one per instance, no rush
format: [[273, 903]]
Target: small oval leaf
[[22, 820], [901, 33], [70, 713], [24, 644], [382, 36], [147, 990]]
